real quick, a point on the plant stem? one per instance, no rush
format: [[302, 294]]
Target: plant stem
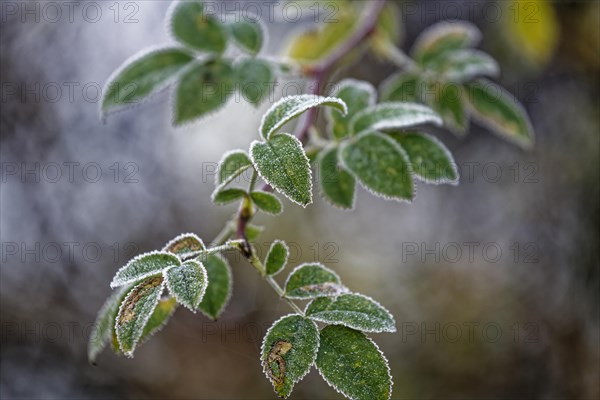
[[319, 74]]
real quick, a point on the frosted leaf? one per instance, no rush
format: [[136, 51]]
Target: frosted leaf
[[464, 65], [352, 364], [495, 108], [431, 161], [159, 318], [226, 196], [448, 100], [402, 86], [203, 88], [276, 257], [352, 310], [337, 186], [199, 30], [135, 311], [255, 78], [357, 95], [282, 163], [393, 116], [444, 37], [253, 232], [144, 266], [232, 164], [143, 75], [219, 286], [292, 106], [288, 351], [187, 283], [248, 34], [380, 165], [104, 326], [267, 202], [184, 243], [312, 280]]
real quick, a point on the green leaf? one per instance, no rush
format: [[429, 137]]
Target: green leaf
[[282, 163], [144, 266], [135, 311], [227, 196], [248, 35], [192, 27], [290, 107], [232, 164], [288, 351], [308, 281], [315, 44], [105, 323], [380, 165], [187, 283], [253, 232], [143, 75], [393, 116], [267, 202], [255, 79], [184, 243], [159, 318], [276, 257], [403, 86], [447, 99], [353, 365], [495, 108], [203, 88], [464, 65], [352, 310], [219, 286], [337, 185], [443, 37], [357, 95], [431, 161]]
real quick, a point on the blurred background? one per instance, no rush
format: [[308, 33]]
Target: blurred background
[[494, 283]]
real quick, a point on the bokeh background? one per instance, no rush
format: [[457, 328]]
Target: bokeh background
[[517, 316]]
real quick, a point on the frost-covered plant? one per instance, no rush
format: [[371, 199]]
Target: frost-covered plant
[[375, 139]]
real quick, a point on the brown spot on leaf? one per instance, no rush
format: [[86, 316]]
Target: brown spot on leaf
[[128, 312], [274, 364]]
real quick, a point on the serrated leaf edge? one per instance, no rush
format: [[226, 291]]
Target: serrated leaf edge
[[117, 283], [287, 255], [262, 349], [322, 190], [523, 143], [229, 290], [442, 146], [236, 173], [434, 119], [158, 89], [163, 323], [318, 101], [393, 143], [265, 32], [436, 29], [355, 327], [178, 238], [387, 364], [146, 319], [106, 336], [292, 272], [354, 83], [190, 307], [257, 142], [275, 197]]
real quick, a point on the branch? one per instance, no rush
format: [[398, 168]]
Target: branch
[[319, 74]]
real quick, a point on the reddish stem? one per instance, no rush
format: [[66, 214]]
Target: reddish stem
[[319, 73]]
